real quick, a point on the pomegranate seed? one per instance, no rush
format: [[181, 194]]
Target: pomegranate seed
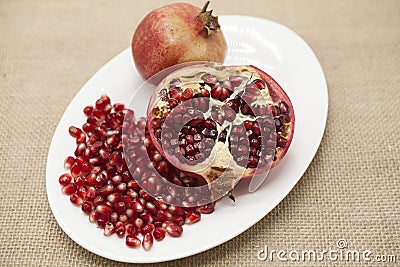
[[68, 162], [114, 197], [74, 131], [206, 209], [159, 233], [118, 107], [109, 229], [176, 210], [173, 230], [87, 207], [136, 206], [132, 241], [146, 217], [123, 218], [114, 217], [82, 191], [120, 229], [101, 223], [151, 208], [139, 223], [120, 207], [65, 179], [148, 228], [193, 217], [102, 208], [94, 216], [80, 149], [131, 229], [179, 220], [164, 215], [76, 200], [79, 181], [69, 189], [91, 193], [76, 169], [106, 190], [147, 241], [88, 110]]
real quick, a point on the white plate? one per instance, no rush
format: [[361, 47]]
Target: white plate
[[268, 45]]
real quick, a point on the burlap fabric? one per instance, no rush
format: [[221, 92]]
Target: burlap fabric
[[49, 49]]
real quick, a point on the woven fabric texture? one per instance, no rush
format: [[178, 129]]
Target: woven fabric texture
[[49, 49]]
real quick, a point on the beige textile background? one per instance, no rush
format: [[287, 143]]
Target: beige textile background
[[49, 49]]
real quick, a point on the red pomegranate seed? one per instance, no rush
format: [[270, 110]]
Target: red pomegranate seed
[[74, 131], [79, 181], [146, 217], [132, 241], [175, 209], [151, 208], [80, 149], [91, 193], [120, 229], [114, 217], [120, 207], [131, 229], [65, 179], [102, 208], [76, 169], [76, 200], [114, 197], [82, 191], [118, 107], [123, 218], [88, 110], [139, 223], [68, 162], [81, 138], [94, 216], [136, 206], [98, 200], [147, 241], [69, 189], [159, 233], [179, 220], [87, 207], [164, 215], [193, 217], [106, 190], [173, 230], [109, 229], [205, 209], [148, 228]]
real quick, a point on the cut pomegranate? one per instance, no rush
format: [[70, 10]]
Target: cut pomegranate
[[212, 122]]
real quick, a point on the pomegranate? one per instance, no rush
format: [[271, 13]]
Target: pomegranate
[[177, 33], [100, 184], [220, 123]]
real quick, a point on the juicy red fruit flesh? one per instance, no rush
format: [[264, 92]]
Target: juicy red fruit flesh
[[206, 115]]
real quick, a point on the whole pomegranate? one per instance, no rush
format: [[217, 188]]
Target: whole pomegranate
[[177, 33], [212, 122]]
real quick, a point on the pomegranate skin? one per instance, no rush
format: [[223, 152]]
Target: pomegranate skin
[[174, 34]]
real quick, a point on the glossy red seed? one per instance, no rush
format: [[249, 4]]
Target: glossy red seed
[[193, 217], [120, 229], [74, 131], [109, 229], [94, 216], [76, 200], [138, 223], [159, 233], [131, 229], [118, 107], [69, 189], [173, 230], [65, 179], [91, 193], [136, 206], [88, 110], [87, 207], [82, 191], [132, 241], [68, 162], [147, 241], [102, 208]]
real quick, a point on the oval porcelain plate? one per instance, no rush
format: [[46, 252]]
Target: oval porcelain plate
[[265, 44]]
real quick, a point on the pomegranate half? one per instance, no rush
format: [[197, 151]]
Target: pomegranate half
[[216, 122]]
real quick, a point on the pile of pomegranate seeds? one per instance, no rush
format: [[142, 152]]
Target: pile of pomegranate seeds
[[99, 181]]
